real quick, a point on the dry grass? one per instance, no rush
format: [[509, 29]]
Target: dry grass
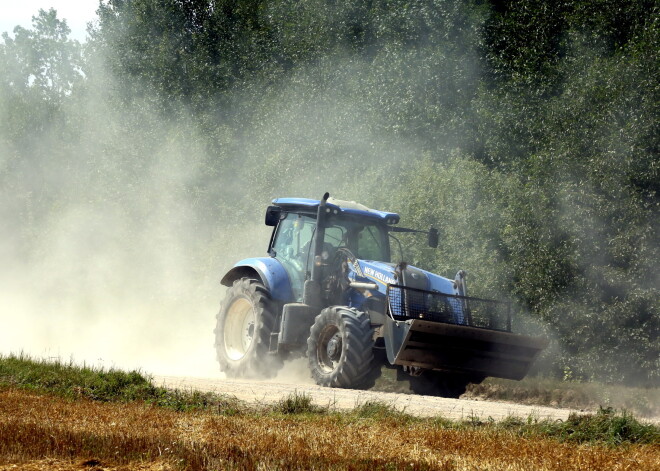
[[46, 432]]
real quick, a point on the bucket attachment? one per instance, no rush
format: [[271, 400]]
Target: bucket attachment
[[452, 338], [461, 349]]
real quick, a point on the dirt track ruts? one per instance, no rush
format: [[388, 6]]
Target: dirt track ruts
[[267, 392]]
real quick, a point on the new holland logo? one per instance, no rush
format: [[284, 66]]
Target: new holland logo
[[378, 276]]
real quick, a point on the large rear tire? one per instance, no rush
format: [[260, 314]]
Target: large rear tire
[[340, 348], [242, 335]]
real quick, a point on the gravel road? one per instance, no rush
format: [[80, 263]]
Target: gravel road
[[266, 392]]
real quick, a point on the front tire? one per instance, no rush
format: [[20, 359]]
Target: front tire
[[242, 335], [340, 348]]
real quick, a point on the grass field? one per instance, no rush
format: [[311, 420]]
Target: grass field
[[63, 417]]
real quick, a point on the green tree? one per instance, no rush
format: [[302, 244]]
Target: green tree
[[42, 60]]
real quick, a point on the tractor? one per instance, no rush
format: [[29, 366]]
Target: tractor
[[329, 291]]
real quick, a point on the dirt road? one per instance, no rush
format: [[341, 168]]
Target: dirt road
[[265, 392]]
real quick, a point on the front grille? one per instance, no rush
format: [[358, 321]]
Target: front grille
[[410, 303]]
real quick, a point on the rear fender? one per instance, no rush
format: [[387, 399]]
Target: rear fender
[[266, 269]]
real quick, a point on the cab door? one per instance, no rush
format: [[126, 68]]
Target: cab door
[[291, 246]]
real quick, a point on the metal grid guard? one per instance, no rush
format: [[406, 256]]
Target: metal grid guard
[[410, 303]]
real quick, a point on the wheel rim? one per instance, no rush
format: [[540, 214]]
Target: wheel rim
[[329, 348], [239, 328]]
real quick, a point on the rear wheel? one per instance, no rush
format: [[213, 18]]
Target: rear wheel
[[340, 348], [242, 334]]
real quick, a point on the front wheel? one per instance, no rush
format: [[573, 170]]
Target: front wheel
[[340, 348], [242, 334]]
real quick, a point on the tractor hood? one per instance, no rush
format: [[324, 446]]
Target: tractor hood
[[389, 273]]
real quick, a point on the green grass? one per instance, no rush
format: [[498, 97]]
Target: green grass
[[607, 426], [73, 381], [382, 412], [298, 403], [68, 380]]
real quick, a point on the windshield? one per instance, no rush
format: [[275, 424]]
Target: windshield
[[293, 244], [366, 241]]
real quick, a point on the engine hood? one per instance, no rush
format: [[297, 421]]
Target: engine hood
[[386, 273]]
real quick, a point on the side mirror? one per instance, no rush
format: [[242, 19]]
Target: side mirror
[[273, 214], [433, 237]]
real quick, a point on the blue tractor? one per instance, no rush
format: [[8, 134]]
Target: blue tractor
[[329, 290]]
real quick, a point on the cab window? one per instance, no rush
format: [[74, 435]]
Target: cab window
[[291, 246], [365, 241], [370, 244]]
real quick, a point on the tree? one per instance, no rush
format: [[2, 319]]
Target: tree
[[41, 60]]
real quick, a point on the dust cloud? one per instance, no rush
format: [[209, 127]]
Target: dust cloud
[[117, 231], [296, 371], [111, 254]]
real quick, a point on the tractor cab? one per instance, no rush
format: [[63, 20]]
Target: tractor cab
[[349, 228]]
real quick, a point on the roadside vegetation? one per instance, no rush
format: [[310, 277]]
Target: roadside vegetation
[[72, 381], [548, 391], [643, 402], [53, 411]]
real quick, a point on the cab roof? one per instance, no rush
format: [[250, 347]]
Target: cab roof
[[349, 208]]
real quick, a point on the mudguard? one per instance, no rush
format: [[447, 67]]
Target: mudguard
[[269, 270]]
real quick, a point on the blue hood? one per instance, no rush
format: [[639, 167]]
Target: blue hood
[[384, 274]]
